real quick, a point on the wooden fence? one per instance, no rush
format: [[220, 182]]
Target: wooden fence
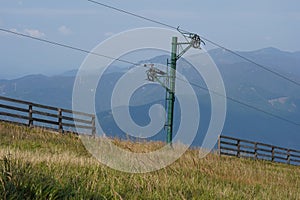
[[58, 119], [243, 148]]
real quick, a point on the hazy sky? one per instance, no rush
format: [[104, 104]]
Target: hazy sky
[[236, 24]]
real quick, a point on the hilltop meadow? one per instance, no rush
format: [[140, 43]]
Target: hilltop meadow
[[39, 164]]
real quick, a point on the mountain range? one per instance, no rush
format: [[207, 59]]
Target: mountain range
[[256, 96]]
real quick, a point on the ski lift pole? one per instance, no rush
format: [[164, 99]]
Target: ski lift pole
[[171, 91], [154, 74]]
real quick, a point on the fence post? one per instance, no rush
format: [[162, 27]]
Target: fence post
[[30, 122], [219, 145], [238, 148], [255, 150], [94, 127], [288, 156], [60, 126], [273, 153]]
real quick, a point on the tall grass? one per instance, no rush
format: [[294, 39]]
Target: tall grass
[[37, 164]]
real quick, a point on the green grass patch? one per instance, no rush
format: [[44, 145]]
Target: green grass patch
[[38, 164]]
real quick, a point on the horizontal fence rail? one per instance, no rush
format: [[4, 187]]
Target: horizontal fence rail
[[243, 148], [33, 114]]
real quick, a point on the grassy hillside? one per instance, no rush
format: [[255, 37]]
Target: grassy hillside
[[37, 164]]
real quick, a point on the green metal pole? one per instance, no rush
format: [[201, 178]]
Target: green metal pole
[[171, 91]]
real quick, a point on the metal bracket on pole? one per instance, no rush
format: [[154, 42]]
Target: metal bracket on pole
[[156, 75]]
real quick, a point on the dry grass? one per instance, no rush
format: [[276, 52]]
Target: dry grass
[[37, 164]]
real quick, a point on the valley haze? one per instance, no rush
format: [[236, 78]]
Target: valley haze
[[243, 81]]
